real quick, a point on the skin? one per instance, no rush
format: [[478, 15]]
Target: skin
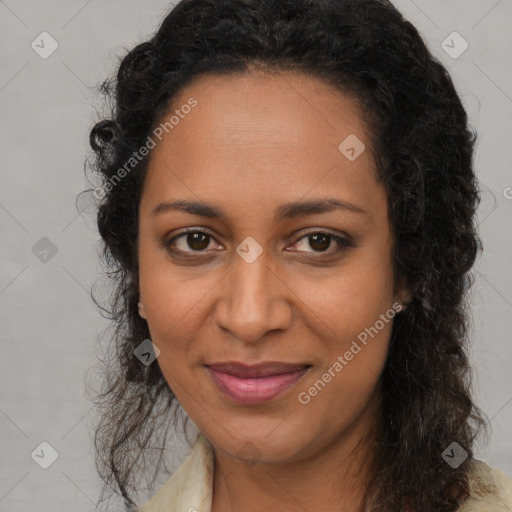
[[253, 143]]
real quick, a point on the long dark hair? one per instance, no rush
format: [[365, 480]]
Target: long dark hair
[[424, 153]]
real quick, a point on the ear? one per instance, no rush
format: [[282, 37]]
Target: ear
[[403, 296], [142, 311]]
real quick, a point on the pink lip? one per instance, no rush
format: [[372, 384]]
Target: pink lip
[[256, 383]]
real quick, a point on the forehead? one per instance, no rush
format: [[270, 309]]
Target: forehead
[[263, 136], [286, 104]]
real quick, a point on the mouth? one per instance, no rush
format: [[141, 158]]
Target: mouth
[[255, 384]]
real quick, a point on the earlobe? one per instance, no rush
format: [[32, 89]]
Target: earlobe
[[404, 297], [142, 312]]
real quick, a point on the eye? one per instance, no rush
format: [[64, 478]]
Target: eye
[[320, 241], [194, 239]]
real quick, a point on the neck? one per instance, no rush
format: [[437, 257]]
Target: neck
[[334, 479]]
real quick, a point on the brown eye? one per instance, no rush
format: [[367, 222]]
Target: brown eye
[[198, 241], [189, 242], [321, 242]]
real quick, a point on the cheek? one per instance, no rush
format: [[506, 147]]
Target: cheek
[[342, 387], [174, 304], [176, 313], [355, 306], [349, 299], [173, 295]]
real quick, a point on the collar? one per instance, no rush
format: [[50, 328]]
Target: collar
[[189, 489]]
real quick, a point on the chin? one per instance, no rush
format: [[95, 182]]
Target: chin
[[266, 445]]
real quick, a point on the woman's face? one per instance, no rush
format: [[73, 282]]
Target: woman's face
[[262, 278]]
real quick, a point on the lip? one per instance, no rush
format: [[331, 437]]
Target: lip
[[257, 383]]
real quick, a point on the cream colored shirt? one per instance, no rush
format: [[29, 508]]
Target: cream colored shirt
[[189, 489]]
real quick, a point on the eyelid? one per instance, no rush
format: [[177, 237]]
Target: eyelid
[[343, 241], [167, 241], [325, 231]]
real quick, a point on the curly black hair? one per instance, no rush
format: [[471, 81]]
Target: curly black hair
[[423, 148]]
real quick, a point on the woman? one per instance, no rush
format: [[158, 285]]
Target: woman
[[287, 211]]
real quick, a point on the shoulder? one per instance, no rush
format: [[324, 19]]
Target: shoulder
[[189, 489], [490, 489]]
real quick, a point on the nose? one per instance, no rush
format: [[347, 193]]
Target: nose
[[254, 300]]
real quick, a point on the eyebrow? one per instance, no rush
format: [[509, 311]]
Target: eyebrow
[[285, 211]]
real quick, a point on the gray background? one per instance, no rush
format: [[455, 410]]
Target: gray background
[[49, 323]]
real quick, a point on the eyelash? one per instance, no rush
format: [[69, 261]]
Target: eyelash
[[342, 242]]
